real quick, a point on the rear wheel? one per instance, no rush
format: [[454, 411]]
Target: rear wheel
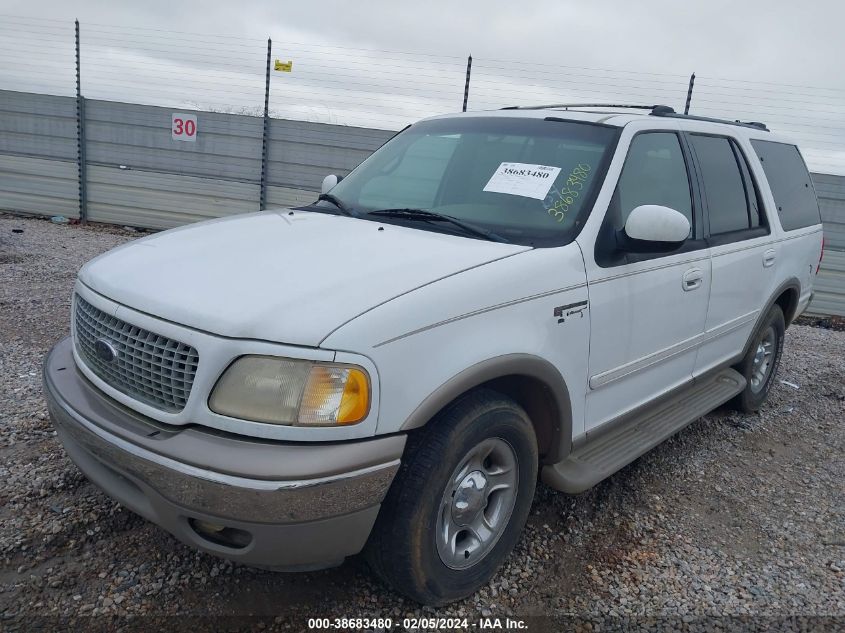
[[459, 501], [760, 363]]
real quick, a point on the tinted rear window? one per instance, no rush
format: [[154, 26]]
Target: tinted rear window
[[790, 183], [727, 205]]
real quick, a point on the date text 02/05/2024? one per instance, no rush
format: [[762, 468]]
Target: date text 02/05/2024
[[418, 624]]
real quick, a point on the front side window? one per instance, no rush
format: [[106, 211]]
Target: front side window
[[528, 181], [790, 182], [724, 188], [654, 173]]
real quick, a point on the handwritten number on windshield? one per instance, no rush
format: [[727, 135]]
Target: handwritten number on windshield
[[565, 197]]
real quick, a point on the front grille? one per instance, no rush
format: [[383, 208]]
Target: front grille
[[146, 366]]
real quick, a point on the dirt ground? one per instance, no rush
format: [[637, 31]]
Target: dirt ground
[[738, 521]]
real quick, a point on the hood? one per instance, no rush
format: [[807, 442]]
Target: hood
[[287, 277]]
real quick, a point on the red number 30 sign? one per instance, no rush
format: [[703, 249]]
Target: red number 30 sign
[[183, 127]]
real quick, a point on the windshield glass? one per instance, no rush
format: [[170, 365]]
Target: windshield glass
[[529, 181]]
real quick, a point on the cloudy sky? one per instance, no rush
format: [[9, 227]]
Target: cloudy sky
[[385, 63]]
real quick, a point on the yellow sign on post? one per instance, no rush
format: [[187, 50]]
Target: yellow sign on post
[[285, 67]]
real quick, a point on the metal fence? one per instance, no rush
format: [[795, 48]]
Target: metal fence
[[137, 175], [830, 283]]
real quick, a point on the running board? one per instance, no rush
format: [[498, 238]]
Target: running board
[[609, 451]]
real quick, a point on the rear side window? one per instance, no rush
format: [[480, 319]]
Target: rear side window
[[729, 206], [790, 183]]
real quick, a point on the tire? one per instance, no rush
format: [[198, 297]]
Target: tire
[[442, 489], [766, 346]]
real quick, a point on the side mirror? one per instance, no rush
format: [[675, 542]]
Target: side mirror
[[651, 223], [328, 182]]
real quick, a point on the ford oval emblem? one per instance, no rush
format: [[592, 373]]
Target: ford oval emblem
[[105, 350]]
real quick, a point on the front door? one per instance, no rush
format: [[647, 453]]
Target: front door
[[647, 310]]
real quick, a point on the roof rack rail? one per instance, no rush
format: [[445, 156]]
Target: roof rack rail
[[566, 106], [757, 125], [655, 110]]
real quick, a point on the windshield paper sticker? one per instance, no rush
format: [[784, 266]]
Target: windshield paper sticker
[[520, 179]]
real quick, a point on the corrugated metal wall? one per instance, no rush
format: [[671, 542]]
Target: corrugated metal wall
[[157, 200], [830, 283], [38, 168], [139, 176], [301, 154], [42, 186], [829, 299], [831, 193], [227, 147]]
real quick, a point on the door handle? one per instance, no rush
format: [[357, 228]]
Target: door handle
[[769, 257], [692, 279]]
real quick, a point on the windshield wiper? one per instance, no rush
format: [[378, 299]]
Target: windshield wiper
[[339, 204], [431, 216]]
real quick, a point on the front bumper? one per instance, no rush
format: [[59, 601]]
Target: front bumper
[[270, 504]]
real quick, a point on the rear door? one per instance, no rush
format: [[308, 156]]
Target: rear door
[[795, 204], [742, 254]]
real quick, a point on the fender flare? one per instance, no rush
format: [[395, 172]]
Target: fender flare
[[516, 365], [790, 284]]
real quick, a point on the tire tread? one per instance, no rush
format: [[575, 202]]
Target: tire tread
[[389, 551]]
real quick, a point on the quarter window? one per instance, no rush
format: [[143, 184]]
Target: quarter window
[[790, 183], [724, 188]]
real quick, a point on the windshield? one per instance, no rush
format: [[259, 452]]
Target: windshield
[[528, 181]]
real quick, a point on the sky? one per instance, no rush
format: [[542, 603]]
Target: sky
[[385, 64]]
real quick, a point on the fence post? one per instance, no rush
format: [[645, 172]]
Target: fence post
[[466, 84], [80, 135], [689, 93], [264, 139]]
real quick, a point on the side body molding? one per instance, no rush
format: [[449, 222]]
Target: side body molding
[[604, 450], [556, 404]]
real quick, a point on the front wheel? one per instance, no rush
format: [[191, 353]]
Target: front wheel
[[459, 501], [760, 363]]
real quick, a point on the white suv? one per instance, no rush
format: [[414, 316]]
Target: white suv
[[489, 296]]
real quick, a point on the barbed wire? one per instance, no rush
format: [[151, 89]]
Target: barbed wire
[[378, 88]]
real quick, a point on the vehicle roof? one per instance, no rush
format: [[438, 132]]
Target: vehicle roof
[[621, 119]]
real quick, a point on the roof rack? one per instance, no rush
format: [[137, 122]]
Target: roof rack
[[566, 106], [655, 110], [757, 125]]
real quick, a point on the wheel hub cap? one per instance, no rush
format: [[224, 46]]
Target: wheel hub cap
[[477, 503], [470, 498], [762, 363]]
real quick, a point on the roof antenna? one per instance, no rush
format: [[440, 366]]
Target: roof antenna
[[689, 93]]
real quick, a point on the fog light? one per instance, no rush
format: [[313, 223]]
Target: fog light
[[205, 526], [220, 534]]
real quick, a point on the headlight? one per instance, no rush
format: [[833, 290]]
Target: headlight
[[292, 392]]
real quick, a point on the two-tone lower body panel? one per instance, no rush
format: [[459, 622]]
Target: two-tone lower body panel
[[271, 504]]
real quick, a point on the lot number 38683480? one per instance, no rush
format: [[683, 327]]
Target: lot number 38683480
[[183, 127]]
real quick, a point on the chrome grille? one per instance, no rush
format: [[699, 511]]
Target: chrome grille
[[151, 368]]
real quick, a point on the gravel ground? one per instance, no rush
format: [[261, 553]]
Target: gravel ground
[[737, 521]]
